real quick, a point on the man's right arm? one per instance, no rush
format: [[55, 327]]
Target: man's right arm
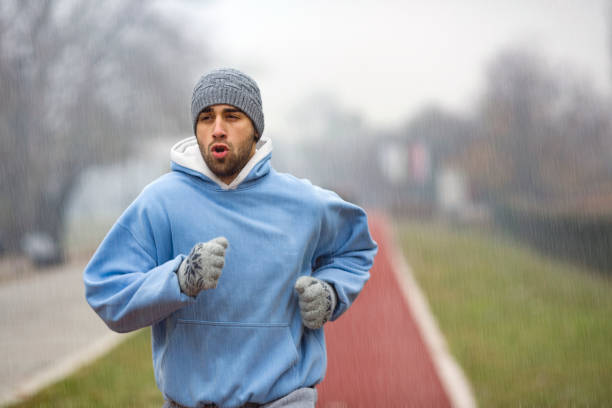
[[126, 286]]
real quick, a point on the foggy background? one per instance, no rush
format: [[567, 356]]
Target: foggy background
[[474, 109], [476, 112]]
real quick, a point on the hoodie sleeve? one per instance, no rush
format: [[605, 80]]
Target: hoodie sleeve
[[124, 281], [345, 251]]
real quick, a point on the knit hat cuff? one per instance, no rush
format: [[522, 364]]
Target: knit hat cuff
[[216, 95]]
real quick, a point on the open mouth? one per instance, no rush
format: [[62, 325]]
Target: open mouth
[[219, 150]]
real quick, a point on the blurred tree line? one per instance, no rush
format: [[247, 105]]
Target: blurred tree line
[[540, 134], [82, 82], [536, 151], [544, 135]]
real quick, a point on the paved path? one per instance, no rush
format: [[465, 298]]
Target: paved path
[[47, 330], [377, 354]]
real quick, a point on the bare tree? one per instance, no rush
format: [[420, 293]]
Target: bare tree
[[516, 114], [80, 80], [546, 135]]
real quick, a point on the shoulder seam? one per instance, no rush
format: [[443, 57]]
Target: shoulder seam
[[137, 241]]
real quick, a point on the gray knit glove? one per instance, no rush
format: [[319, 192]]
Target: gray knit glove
[[202, 267], [317, 301]]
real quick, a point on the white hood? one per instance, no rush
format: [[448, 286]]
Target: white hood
[[186, 153]]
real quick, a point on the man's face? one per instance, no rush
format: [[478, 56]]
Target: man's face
[[226, 138]]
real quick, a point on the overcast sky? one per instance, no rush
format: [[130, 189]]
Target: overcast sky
[[388, 59]]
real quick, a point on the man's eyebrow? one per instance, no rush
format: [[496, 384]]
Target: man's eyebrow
[[232, 110], [225, 110]]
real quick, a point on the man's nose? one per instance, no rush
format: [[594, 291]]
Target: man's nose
[[219, 130]]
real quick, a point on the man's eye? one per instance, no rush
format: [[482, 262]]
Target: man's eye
[[204, 117], [234, 117]]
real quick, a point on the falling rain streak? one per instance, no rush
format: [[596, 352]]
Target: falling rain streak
[[503, 207]]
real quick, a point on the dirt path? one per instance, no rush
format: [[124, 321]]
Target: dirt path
[[376, 354]]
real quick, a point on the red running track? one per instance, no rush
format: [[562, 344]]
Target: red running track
[[376, 354]]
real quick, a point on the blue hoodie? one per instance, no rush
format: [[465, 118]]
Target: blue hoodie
[[244, 340]]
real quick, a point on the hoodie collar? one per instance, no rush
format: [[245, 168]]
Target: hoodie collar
[[186, 156]]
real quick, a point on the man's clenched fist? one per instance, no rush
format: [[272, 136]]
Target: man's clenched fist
[[317, 301], [202, 267]]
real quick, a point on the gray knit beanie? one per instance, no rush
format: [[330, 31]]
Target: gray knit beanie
[[232, 87]]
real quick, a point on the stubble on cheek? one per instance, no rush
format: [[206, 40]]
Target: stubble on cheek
[[230, 165]]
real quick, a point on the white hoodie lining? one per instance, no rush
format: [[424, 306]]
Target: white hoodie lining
[[187, 154]]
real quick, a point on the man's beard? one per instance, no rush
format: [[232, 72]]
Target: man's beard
[[231, 164]]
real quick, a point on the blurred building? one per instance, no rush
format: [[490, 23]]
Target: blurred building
[[104, 192]]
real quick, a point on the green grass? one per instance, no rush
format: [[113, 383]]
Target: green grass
[[527, 330], [122, 378]]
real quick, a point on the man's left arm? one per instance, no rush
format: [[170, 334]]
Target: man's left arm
[[345, 250]]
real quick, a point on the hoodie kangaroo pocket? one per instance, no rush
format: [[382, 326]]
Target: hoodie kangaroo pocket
[[213, 361]]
